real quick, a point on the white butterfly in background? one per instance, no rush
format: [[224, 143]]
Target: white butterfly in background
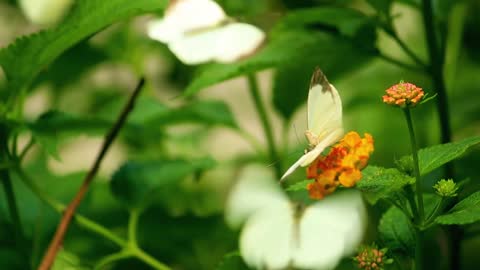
[[45, 12], [277, 234], [324, 115], [199, 31]]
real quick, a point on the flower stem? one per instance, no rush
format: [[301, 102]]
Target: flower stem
[[418, 191], [267, 127], [418, 183]]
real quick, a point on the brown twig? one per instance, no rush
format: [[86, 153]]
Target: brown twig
[[57, 239]]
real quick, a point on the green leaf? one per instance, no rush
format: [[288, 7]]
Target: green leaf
[[232, 261], [465, 212], [209, 112], [396, 232], [378, 182], [335, 56], [62, 73], [55, 122], [348, 22], [382, 6], [299, 186], [135, 182], [434, 157], [54, 125], [67, 261], [282, 48], [27, 56]]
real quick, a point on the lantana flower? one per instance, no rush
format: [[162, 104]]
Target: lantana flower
[[341, 166], [403, 95]]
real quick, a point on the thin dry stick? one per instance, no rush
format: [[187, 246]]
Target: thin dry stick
[[57, 239]]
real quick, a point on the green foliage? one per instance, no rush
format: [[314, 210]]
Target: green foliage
[[67, 261], [135, 182], [27, 56], [396, 231], [299, 186], [467, 211], [382, 6], [232, 261], [378, 183], [177, 187], [434, 157]]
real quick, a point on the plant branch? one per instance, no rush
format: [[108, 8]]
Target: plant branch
[[267, 127], [400, 63], [437, 61], [59, 235], [391, 31], [436, 72]]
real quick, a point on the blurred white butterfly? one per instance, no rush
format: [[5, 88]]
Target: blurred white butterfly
[[45, 12], [199, 31], [324, 119], [277, 234]]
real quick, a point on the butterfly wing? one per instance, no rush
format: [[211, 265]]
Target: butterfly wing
[[330, 230], [237, 40], [267, 239], [197, 48], [183, 16], [255, 189], [324, 107], [345, 213]]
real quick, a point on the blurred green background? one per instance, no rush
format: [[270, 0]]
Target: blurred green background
[[185, 153]]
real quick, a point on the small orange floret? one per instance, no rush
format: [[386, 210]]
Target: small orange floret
[[341, 166], [403, 95]]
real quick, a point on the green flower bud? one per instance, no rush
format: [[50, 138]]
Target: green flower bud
[[405, 164], [372, 258], [446, 188]]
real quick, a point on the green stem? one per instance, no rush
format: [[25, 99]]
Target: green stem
[[436, 72], [418, 248], [437, 62], [418, 183], [141, 255], [105, 261], [94, 227], [400, 63], [59, 207], [132, 226], [391, 31], [12, 206], [267, 127]]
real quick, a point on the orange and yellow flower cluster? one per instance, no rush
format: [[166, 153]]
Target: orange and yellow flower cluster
[[403, 95], [341, 166]]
